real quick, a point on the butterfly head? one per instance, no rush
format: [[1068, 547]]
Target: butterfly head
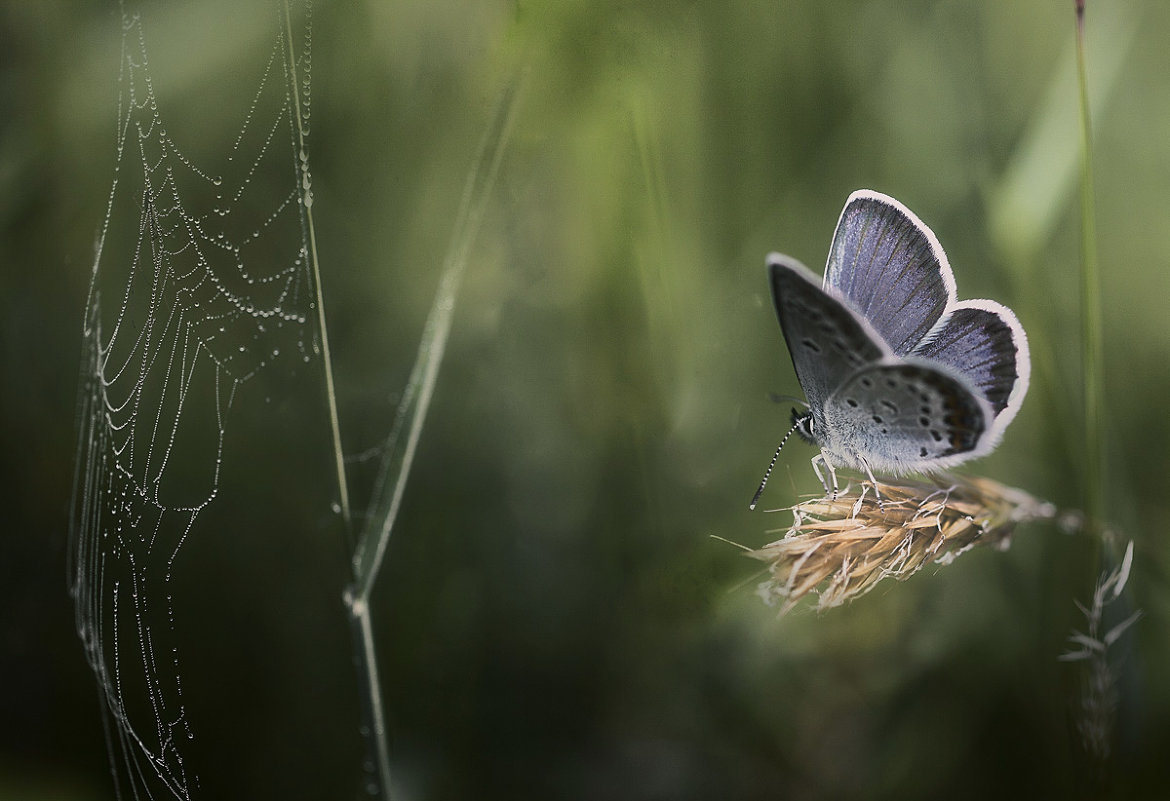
[[802, 424]]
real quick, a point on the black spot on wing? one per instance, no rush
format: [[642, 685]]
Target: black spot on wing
[[921, 408]]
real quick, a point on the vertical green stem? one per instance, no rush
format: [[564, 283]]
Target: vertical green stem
[[1090, 300], [306, 191]]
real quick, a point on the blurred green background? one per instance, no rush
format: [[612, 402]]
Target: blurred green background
[[554, 620]]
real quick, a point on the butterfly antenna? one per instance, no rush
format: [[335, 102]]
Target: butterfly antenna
[[772, 464]]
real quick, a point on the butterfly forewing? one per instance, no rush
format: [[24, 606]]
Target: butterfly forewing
[[890, 268], [827, 341], [905, 416]]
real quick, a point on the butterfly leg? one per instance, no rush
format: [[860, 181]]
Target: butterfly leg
[[873, 482], [821, 459]]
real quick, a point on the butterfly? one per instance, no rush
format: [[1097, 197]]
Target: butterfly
[[900, 377]]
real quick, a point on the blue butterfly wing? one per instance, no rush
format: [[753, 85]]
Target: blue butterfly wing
[[984, 342], [828, 342], [889, 267]]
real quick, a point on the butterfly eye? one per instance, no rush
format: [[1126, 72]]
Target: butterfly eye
[[802, 423]]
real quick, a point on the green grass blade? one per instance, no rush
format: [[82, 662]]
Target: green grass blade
[[416, 398], [1090, 300]]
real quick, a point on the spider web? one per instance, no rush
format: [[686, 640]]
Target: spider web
[[201, 283]]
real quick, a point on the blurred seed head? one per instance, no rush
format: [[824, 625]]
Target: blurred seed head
[[1099, 695]]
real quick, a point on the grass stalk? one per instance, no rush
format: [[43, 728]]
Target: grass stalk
[[1100, 696], [416, 398], [1090, 300], [305, 186], [402, 444]]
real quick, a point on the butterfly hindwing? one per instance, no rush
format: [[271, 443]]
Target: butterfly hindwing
[[828, 342], [984, 341], [890, 268], [906, 415]]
